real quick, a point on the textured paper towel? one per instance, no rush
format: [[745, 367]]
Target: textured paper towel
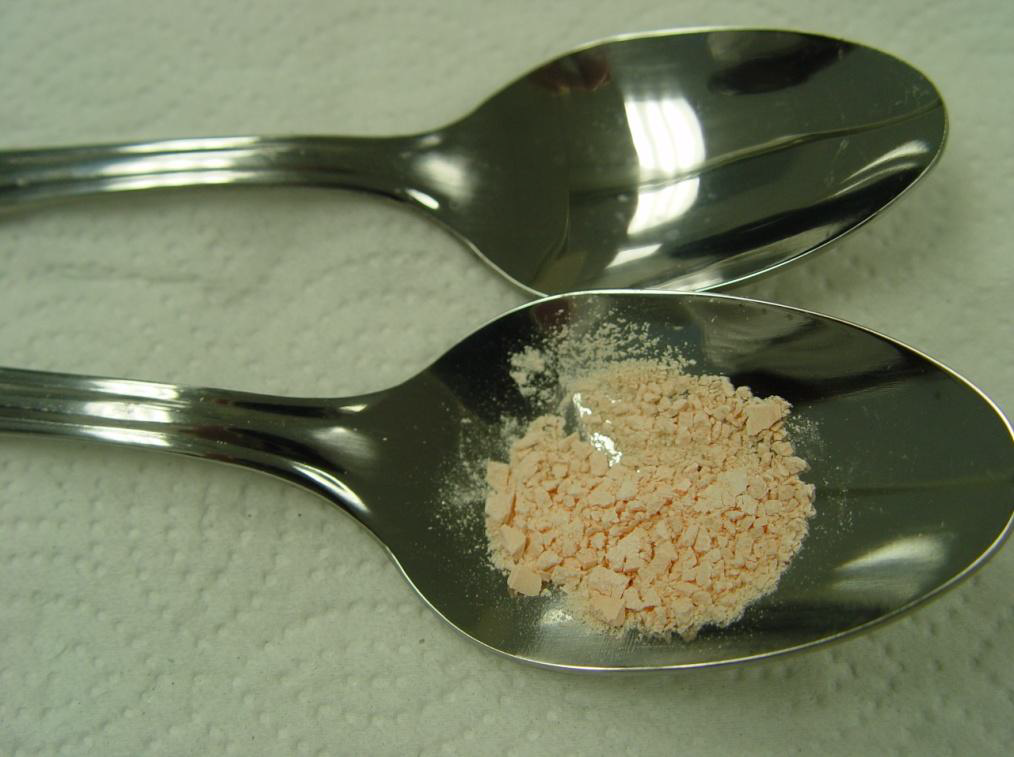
[[150, 605]]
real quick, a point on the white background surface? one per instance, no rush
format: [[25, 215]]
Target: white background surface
[[150, 605]]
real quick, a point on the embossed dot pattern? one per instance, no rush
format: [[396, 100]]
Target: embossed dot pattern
[[159, 606]]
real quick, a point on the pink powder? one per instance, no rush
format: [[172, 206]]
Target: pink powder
[[675, 505]]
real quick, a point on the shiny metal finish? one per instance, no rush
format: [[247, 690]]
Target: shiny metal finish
[[914, 468], [678, 160]]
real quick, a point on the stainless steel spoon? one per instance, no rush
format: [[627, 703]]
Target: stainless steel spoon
[[680, 160], [914, 467]]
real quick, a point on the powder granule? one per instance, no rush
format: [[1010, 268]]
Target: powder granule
[[676, 505]]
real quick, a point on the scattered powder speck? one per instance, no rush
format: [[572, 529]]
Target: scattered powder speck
[[525, 366], [656, 500]]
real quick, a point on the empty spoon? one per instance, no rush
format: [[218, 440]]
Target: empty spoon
[[913, 467], [687, 160]]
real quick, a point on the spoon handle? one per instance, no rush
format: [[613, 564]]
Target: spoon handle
[[371, 164], [271, 434]]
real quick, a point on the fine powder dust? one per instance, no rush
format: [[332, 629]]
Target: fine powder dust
[[674, 504]]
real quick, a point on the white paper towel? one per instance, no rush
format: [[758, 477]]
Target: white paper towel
[[152, 605]]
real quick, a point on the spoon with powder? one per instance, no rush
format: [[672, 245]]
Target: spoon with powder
[[683, 160], [912, 467]]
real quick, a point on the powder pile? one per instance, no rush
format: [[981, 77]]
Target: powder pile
[[675, 504]]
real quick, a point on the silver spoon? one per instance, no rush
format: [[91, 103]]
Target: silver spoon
[[680, 160], [914, 467]]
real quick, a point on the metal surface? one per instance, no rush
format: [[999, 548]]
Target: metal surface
[[679, 160], [914, 468]]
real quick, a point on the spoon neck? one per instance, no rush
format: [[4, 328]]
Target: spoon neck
[[309, 442], [380, 165]]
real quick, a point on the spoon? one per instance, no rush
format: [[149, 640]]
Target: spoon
[[913, 467], [689, 160]]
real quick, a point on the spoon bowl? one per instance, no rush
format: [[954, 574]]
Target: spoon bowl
[[682, 160], [913, 467]]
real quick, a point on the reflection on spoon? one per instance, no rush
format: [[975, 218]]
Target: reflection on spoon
[[893, 570]]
